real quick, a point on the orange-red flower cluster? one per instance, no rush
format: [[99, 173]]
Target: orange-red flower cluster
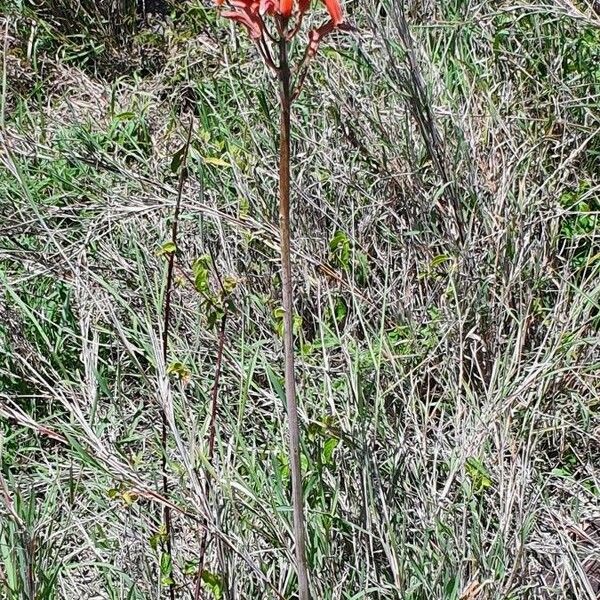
[[251, 13]]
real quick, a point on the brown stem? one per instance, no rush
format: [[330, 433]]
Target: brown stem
[[165, 345], [211, 448], [288, 317], [263, 48], [292, 34], [215, 391]]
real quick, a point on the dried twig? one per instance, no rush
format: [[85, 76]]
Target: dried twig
[[165, 343]]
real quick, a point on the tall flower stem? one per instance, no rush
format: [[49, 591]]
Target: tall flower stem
[[285, 94]]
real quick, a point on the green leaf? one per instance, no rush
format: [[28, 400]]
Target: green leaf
[[129, 497], [213, 583], [165, 566], [177, 159], [361, 266], [297, 324], [438, 260], [190, 567], [328, 448], [229, 284], [304, 463], [276, 383], [341, 309], [201, 271], [166, 249], [560, 473], [339, 247], [154, 541], [158, 538], [216, 162], [179, 370], [213, 315], [284, 466], [244, 207], [479, 475], [279, 314], [264, 105]]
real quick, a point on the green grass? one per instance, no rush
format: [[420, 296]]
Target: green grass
[[449, 391]]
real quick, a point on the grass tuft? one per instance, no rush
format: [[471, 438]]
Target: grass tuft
[[446, 209]]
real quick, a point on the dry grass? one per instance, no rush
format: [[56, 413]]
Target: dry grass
[[447, 274]]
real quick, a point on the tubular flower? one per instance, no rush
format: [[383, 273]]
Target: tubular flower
[[250, 14], [334, 8], [316, 35], [268, 7], [250, 22], [285, 8], [247, 13]]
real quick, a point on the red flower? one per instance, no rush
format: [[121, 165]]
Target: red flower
[[285, 8], [247, 13], [269, 7], [316, 35], [250, 14], [250, 22], [334, 8]]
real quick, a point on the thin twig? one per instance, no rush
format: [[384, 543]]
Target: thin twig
[[165, 344], [302, 70], [292, 33], [265, 52], [211, 447], [212, 428], [215, 390]]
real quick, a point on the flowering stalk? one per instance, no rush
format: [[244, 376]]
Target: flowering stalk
[[287, 16], [285, 94]]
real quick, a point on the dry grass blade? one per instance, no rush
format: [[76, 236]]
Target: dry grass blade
[[448, 391]]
